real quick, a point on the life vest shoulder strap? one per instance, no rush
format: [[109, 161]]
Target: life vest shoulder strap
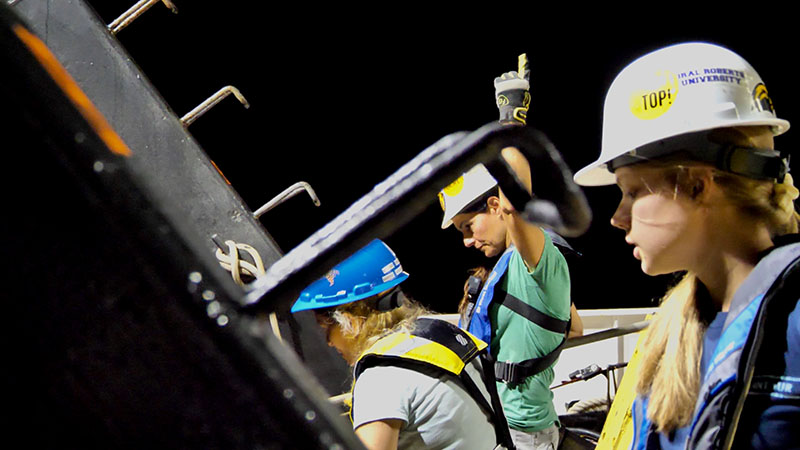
[[531, 313]]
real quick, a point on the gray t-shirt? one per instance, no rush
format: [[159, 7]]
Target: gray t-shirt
[[438, 413]]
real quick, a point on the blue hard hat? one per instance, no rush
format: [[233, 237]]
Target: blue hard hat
[[368, 272]]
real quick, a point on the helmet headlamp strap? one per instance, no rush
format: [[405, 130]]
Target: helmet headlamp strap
[[760, 164]]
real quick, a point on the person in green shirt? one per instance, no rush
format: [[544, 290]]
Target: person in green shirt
[[530, 274], [523, 307]]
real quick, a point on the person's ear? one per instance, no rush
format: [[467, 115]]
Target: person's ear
[[493, 204], [701, 183]]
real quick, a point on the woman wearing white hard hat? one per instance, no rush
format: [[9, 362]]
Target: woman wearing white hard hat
[[418, 381], [523, 307], [688, 138]]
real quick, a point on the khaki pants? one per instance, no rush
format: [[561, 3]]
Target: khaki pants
[[546, 439]]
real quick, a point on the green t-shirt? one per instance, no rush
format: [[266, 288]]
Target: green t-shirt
[[529, 405]]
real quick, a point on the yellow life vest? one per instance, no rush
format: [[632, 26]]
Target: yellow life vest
[[443, 346]]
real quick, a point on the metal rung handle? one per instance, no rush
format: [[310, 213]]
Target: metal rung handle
[[134, 12], [212, 101], [288, 193]]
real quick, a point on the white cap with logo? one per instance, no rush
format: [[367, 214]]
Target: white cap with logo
[[462, 193]]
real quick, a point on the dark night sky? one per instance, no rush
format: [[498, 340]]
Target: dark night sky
[[343, 103]]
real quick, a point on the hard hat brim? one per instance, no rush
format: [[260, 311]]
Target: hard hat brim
[[597, 173], [306, 303]]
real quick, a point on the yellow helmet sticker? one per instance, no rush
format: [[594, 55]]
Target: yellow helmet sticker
[[652, 102], [451, 190], [455, 187]]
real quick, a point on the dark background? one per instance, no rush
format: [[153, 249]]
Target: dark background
[[341, 98]]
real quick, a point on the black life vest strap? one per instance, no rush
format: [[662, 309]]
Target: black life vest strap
[[502, 431], [445, 334], [529, 312], [514, 373]]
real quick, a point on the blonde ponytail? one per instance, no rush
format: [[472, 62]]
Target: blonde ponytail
[[669, 371]]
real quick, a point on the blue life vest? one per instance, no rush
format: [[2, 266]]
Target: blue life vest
[[479, 324]]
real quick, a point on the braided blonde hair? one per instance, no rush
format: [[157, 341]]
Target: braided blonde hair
[[772, 202]]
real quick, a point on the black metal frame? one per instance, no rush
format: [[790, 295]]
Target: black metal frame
[[154, 345]]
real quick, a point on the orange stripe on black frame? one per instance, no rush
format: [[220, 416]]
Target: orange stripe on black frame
[[72, 91]]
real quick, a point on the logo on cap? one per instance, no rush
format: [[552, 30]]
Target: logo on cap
[[653, 101], [451, 190], [331, 276]]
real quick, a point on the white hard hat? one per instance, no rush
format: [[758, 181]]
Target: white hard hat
[[459, 195], [676, 90]]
